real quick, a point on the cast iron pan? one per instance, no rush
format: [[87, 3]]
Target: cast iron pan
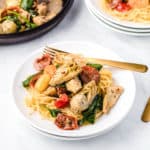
[[34, 33]]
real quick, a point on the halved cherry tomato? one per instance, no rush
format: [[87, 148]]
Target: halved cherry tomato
[[33, 80], [66, 122], [89, 73], [62, 101], [114, 3], [41, 63], [123, 7]]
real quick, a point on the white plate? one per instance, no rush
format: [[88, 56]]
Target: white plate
[[62, 137], [115, 28], [106, 122], [95, 5], [116, 25]]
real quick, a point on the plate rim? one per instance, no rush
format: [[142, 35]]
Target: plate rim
[[117, 25]]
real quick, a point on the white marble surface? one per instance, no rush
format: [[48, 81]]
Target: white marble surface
[[78, 25]]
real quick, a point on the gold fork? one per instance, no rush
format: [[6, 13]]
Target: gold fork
[[146, 113], [118, 64]]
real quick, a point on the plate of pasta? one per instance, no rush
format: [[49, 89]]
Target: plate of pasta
[[127, 13], [68, 97]]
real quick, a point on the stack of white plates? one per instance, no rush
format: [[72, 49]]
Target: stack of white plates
[[103, 124], [130, 28]]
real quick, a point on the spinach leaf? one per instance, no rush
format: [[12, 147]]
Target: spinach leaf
[[26, 82], [31, 25], [28, 24], [54, 112], [96, 66], [26, 4], [33, 12], [14, 16], [89, 114], [91, 118]]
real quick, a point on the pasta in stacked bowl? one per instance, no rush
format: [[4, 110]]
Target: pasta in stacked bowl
[[130, 17]]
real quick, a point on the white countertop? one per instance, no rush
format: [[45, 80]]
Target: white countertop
[[78, 25]]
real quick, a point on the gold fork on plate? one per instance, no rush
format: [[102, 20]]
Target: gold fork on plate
[[118, 64]]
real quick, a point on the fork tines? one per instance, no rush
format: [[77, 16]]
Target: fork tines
[[52, 51]]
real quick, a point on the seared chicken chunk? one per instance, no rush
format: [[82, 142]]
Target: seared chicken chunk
[[9, 26], [74, 85], [111, 97], [79, 103], [138, 3], [82, 100], [65, 73], [39, 20], [55, 6], [42, 9], [24, 14]]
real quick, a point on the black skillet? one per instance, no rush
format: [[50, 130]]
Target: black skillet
[[36, 32]]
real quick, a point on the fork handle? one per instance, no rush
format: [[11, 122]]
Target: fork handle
[[119, 64]]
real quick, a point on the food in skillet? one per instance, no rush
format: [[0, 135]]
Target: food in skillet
[[128, 10], [70, 91], [22, 15]]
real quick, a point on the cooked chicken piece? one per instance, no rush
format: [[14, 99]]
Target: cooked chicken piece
[[55, 6], [50, 15], [24, 14], [138, 3], [67, 58], [111, 97], [79, 103], [74, 85], [39, 20], [9, 26], [65, 73], [84, 98], [42, 9]]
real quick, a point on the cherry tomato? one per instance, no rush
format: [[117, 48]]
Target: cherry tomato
[[89, 73], [66, 122], [62, 101], [114, 3], [123, 7], [33, 80], [41, 63]]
